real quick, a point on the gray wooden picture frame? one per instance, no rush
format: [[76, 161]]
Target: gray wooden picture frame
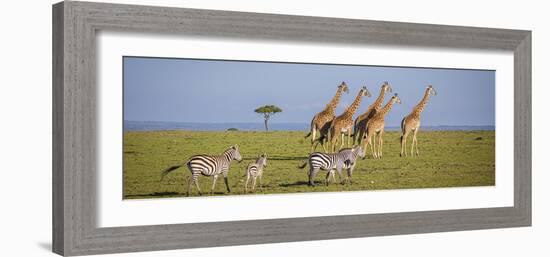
[[75, 25]]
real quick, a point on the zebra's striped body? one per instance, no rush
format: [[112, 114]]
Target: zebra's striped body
[[344, 159], [210, 166], [255, 170]]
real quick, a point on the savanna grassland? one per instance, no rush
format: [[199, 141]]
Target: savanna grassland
[[447, 159]]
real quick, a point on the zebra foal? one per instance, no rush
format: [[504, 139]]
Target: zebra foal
[[344, 159], [255, 170], [210, 166]]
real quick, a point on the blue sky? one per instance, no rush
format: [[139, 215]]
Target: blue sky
[[184, 90]]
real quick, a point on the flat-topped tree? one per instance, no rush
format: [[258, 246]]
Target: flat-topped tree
[[268, 111]]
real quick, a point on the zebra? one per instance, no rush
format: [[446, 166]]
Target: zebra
[[255, 170], [344, 159], [208, 166]]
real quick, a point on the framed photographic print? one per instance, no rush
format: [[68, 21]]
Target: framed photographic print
[[183, 128]]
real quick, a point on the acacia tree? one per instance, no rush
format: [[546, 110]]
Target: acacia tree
[[268, 111]]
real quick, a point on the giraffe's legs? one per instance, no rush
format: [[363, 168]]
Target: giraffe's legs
[[334, 142], [404, 143], [366, 145], [349, 137], [342, 137], [377, 144], [380, 143], [314, 146], [374, 150], [322, 140], [333, 138], [412, 145], [314, 142], [324, 144], [416, 141], [369, 142], [358, 134], [313, 134]]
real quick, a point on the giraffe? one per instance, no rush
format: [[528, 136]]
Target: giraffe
[[411, 122], [375, 127], [360, 124], [344, 123], [321, 121]]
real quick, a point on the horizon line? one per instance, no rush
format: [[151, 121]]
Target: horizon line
[[295, 122]]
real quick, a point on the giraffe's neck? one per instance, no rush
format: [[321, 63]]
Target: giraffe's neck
[[378, 102], [331, 106], [353, 107], [420, 106], [386, 108]]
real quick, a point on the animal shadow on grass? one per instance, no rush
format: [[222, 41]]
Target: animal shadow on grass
[[175, 194], [157, 194], [302, 183], [297, 183], [233, 191]]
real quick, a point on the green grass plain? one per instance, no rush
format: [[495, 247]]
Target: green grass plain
[[447, 159]]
